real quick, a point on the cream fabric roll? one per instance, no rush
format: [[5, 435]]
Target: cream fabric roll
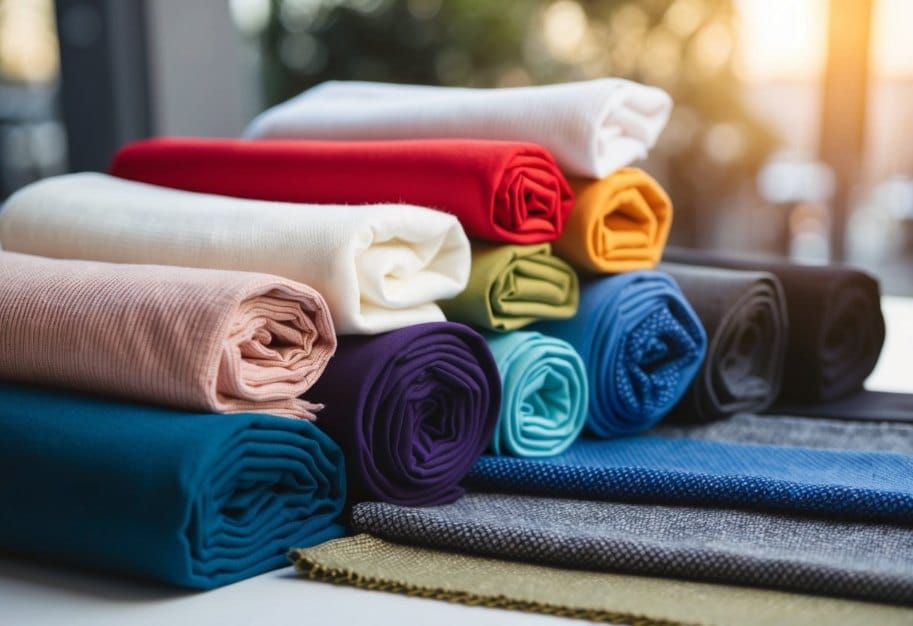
[[378, 268], [591, 128]]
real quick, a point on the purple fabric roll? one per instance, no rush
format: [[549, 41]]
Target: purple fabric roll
[[412, 409]]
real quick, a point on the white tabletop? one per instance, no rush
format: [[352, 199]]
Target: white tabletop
[[32, 593]]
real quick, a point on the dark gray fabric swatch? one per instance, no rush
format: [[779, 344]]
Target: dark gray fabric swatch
[[744, 316], [866, 405], [784, 430], [852, 560]]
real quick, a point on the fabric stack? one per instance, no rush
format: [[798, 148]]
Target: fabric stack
[[462, 289]]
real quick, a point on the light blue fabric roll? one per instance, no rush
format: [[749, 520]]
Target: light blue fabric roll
[[642, 344], [545, 395]]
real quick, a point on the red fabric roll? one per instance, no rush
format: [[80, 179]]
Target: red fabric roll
[[500, 191]]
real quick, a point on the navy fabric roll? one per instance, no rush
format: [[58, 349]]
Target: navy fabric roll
[[642, 344], [844, 484], [193, 499], [412, 409]]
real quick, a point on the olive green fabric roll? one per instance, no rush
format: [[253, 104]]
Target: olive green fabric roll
[[512, 286], [370, 563]]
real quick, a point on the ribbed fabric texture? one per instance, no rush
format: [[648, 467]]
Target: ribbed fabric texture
[[204, 340], [500, 191], [744, 316], [591, 128], [843, 559], [514, 286], [836, 328], [379, 267], [371, 563], [846, 485], [412, 409], [642, 345], [619, 223], [191, 499], [544, 394]]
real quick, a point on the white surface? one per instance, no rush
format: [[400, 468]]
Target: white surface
[[37, 594]]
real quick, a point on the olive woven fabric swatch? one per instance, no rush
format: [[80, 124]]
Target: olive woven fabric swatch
[[810, 555], [370, 563], [511, 286]]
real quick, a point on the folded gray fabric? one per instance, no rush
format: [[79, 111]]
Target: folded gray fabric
[[806, 432], [853, 560], [744, 315]]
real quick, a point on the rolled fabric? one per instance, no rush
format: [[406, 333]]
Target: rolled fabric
[[544, 394], [203, 340], [620, 223], [500, 191], [513, 286], [642, 345], [379, 267], [836, 328], [744, 316], [191, 499], [591, 128], [412, 409]]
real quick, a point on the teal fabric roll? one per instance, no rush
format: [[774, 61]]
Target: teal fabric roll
[[545, 394], [193, 499]]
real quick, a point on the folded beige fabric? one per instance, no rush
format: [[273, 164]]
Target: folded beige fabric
[[370, 563], [207, 340], [380, 267]]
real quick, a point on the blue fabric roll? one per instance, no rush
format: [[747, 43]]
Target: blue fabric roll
[[196, 500], [544, 394], [843, 484], [642, 344]]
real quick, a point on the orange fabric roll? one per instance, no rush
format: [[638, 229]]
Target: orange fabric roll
[[618, 224]]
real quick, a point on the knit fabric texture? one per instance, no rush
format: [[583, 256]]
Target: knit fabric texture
[[592, 128], [513, 286], [370, 563], [844, 484], [202, 340], [412, 409], [845, 559], [544, 394], [500, 191], [642, 345], [192, 499]]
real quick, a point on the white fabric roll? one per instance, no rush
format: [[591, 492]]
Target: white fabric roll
[[379, 267], [592, 128]]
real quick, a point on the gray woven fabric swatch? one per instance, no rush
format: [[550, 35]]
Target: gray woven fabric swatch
[[853, 560], [807, 432]]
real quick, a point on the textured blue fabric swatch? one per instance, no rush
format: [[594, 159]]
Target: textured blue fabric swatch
[[642, 344], [193, 499], [844, 484]]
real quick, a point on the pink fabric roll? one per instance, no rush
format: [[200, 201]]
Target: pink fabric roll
[[207, 340]]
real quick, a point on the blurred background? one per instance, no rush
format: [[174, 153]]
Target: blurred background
[[791, 133]]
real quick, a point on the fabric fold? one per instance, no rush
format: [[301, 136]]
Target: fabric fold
[[808, 555], [412, 409], [544, 394], [846, 485], [642, 345], [191, 499], [367, 562], [500, 191], [744, 316], [378, 267], [203, 340], [513, 286], [591, 128], [836, 328], [619, 224]]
